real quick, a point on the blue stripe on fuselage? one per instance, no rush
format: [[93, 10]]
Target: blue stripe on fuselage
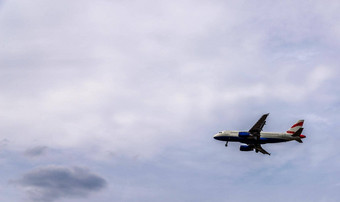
[[263, 140], [271, 140]]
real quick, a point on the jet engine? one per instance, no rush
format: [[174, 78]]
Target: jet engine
[[246, 148]]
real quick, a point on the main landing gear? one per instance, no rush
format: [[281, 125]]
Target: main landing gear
[[226, 144]]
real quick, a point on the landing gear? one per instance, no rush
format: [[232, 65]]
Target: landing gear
[[226, 144]]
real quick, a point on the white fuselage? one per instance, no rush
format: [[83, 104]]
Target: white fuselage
[[245, 137]]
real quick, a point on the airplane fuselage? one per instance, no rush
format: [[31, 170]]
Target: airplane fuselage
[[245, 137], [255, 137]]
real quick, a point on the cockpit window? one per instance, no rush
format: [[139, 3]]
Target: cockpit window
[[220, 132]]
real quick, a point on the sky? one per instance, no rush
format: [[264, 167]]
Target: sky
[[119, 100]]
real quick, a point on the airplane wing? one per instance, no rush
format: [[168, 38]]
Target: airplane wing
[[258, 148], [257, 128]]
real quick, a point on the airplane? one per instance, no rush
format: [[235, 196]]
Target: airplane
[[254, 137]]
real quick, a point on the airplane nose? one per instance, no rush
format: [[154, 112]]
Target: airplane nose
[[217, 136]]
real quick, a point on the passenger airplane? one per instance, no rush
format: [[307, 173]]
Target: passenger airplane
[[254, 137]]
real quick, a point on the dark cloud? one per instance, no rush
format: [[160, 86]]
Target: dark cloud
[[4, 142], [54, 182], [36, 151]]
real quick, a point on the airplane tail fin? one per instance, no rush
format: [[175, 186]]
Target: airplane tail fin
[[295, 127]]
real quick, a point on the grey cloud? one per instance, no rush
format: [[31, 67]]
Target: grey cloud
[[36, 151], [54, 182], [4, 142], [82, 81]]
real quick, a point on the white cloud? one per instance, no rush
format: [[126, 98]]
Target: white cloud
[[118, 67]]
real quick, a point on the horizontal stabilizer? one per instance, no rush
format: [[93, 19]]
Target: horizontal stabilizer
[[299, 140], [298, 135]]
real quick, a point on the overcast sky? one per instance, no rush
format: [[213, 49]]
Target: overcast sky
[[119, 100]]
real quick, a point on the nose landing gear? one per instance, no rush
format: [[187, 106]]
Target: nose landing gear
[[226, 144]]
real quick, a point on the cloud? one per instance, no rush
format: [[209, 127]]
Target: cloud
[[4, 142], [54, 182], [94, 75], [36, 151], [155, 80]]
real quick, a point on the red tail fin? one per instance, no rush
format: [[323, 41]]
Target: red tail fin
[[295, 127]]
